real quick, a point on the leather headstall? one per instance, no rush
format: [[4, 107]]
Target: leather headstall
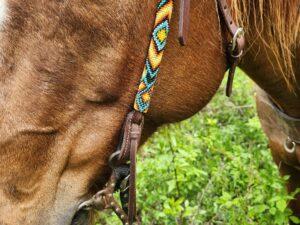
[[123, 161]]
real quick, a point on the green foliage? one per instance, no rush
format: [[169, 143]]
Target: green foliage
[[214, 168]]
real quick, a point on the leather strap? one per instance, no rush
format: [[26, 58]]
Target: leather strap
[[135, 140], [231, 25], [184, 21], [132, 131], [236, 48], [233, 64]]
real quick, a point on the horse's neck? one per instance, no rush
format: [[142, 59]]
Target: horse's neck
[[261, 65]]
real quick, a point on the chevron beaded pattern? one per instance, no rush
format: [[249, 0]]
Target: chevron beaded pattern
[[155, 54]]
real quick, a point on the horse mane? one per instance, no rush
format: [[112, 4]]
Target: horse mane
[[278, 23]]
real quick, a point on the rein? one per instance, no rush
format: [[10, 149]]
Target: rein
[[123, 161]]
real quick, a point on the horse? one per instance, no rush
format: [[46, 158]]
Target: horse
[[69, 74]]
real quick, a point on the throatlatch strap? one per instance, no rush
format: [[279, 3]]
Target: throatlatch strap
[[155, 54]]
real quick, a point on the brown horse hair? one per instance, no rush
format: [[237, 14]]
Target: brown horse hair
[[279, 21]]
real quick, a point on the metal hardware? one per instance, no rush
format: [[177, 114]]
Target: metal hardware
[[289, 146], [97, 201], [113, 159], [125, 184], [239, 55], [238, 34]]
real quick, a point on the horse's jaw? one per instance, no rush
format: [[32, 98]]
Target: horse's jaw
[[46, 174]]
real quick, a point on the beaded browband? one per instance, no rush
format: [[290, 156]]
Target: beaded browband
[[123, 161], [155, 54]]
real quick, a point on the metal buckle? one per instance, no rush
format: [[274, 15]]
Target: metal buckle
[[240, 32]]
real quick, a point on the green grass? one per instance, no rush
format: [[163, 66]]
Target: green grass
[[214, 168]]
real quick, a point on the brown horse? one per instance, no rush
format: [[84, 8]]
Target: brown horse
[[69, 73]]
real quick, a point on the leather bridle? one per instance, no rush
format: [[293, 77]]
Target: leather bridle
[[123, 161]]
